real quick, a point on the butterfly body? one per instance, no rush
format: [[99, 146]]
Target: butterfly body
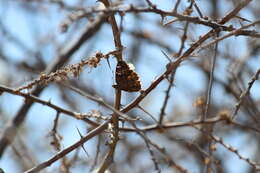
[[126, 78]]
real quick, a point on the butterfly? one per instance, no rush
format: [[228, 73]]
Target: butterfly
[[126, 78]]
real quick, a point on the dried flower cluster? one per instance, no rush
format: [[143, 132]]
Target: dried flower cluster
[[95, 114], [112, 137], [66, 72]]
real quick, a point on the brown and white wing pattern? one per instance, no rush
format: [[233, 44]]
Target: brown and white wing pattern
[[126, 78]]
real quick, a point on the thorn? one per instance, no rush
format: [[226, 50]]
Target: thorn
[[109, 64], [166, 56], [81, 136]]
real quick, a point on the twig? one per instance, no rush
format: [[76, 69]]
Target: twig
[[245, 93], [69, 70], [180, 17], [155, 162], [114, 120], [34, 99], [255, 165], [232, 33], [100, 101], [150, 4], [167, 96], [172, 67], [166, 156], [176, 124], [234, 12], [10, 129], [242, 126], [197, 8], [176, 5], [149, 37], [183, 39], [25, 156], [97, 153], [145, 111], [191, 145], [82, 146], [65, 72], [67, 150], [211, 78], [55, 136], [207, 106]]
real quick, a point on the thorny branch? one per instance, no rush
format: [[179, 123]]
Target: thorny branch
[[205, 145], [115, 119], [180, 17], [69, 149], [9, 131], [245, 93]]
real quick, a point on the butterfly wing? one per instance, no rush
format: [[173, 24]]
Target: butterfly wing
[[127, 79]]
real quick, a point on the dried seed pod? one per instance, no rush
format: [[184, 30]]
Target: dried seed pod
[[126, 78]]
